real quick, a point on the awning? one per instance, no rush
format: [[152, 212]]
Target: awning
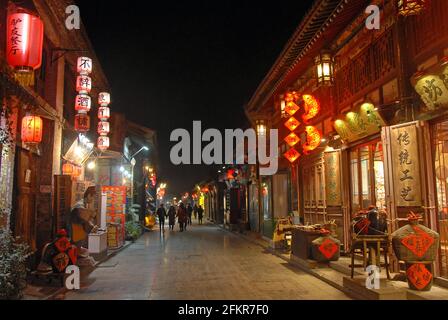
[[79, 151], [360, 123]]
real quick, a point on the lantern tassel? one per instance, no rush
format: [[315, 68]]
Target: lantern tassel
[[26, 79]]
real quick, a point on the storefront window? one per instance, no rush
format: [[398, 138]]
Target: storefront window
[[367, 177], [440, 136]]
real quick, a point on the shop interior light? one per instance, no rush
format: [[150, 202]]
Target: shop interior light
[[91, 165], [121, 168]]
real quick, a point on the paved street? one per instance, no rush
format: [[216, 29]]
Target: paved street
[[203, 263]]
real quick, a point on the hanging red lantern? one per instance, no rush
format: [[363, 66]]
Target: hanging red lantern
[[82, 122], [292, 155], [103, 142], [313, 139], [292, 124], [311, 106], [82, 103], [24, 41], [84, 66], [412, 7], [31, 129], [103, 128], [83, 84], [67, 169], [103, 113], [103, 99], [292, 139]]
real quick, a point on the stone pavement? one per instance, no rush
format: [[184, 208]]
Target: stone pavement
[[203, 263]]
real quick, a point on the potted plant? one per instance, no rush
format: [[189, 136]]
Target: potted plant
[[13, 271]]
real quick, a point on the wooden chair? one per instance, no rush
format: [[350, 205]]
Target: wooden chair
[[369, 246]]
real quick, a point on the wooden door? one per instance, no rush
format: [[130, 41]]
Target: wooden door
[[25, 201]]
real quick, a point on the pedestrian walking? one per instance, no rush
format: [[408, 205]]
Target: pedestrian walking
[[182, 217], [171, 217], [161, 213], [189, 213], [195, 211], [200, 214]]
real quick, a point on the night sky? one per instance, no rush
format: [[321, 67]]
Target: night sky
[[172, 62]]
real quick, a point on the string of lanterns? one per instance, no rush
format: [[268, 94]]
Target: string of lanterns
[[103, 125], [83, 101]]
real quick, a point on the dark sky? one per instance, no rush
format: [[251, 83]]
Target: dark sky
[[172, 62]]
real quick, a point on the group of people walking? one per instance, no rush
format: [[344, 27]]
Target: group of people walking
[[182, 213]]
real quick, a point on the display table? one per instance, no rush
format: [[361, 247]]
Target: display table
[[98, 244], [301, 242]]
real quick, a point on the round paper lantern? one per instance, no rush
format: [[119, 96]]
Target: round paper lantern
[[24, 41], [313, 138], [82, 122], [103, 128], [103, 113], [103, 99], [103, 142], [31, 129], [83, 84], [67, 169], [83, 103], [84, 65]]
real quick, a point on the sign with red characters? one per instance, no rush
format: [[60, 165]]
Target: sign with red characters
[[418, 243], [419, 276], [328, 248]]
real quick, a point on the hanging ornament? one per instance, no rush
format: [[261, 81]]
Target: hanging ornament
[[82, 103], [291, 108], [104, 99], [83, 84], [311, 106], [103, 128], [103, 113], [292, 155], [292, 139], [24, 42], [103, 142], [82, 122], [313, 138], [67, 169], [31, 129], [84, 66], [292, 124], [292, 96]]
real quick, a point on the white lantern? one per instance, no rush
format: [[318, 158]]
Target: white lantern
[[103, 142], [83, 84], [82, 103], [84, 65], [103, 99], [103, 113], [103, 128]]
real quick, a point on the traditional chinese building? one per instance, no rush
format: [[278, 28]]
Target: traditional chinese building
[[27, 187], [370, 106]]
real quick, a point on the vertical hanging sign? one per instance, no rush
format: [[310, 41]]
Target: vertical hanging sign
[[406, 165]]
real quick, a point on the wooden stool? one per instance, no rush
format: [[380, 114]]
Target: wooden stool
[[370, 244]]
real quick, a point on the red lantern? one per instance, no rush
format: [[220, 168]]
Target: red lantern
[[313, 138], [103, 142], [412, 7], [84, 65], [292, 124], [103, 128], [231, 174], [24, 41], [82, 122], [292, 96], [103, 99], [83, 84], [292, 139], [31, 129], [292, 155], [83, 103], [67, 169], [76, 171], [312, 107], [103, 113]]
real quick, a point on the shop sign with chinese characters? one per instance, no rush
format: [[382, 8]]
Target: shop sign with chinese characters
[[333, 178], [406, 165]]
